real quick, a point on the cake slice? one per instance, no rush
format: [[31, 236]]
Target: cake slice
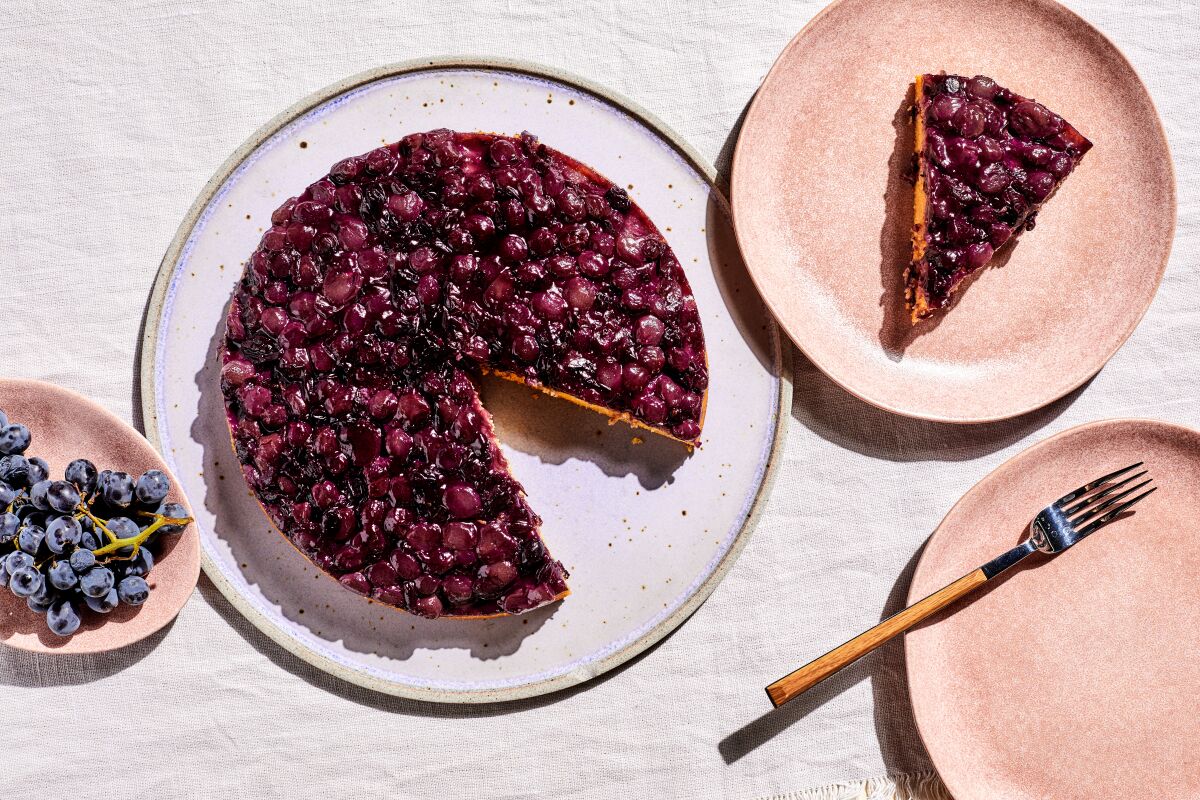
[[987, 159]]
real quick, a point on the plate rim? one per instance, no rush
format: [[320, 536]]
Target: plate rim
[[964, 791], [116, 421], [152, 321], [916, 413]]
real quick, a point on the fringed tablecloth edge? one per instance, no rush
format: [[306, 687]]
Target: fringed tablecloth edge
[[917, 786]]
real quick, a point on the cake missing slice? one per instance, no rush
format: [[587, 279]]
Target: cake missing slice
[[987, 159], [369, 308]]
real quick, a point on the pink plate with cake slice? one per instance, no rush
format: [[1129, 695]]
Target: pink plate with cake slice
[[1072, 678], [66, 426], [824, 213]]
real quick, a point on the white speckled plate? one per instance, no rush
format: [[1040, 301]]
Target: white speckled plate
[[646, 530]]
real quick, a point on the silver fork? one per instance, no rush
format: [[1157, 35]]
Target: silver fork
[[1056, 527]]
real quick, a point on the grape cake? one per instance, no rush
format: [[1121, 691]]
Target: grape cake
[[987, 159], [361, 321]]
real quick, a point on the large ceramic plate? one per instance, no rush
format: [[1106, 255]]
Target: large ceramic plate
[[67, 426], [824, 217], [1072, 678], [646, 530]]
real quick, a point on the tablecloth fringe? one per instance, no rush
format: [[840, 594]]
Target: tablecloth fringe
[[918, 786]]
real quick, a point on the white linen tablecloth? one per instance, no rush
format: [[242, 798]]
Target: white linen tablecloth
[[116, 114]]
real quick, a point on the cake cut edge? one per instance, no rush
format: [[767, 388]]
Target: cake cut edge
[[612, 415], [915, 297]]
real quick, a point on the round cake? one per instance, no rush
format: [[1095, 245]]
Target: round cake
[[361, 321]]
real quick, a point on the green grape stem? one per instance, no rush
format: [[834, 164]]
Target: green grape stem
[[114, 542], [139, 540], [135, 542], [99, 523]]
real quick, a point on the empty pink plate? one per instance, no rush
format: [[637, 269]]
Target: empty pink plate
[[1071, 678], [823, 214], [66, 426]]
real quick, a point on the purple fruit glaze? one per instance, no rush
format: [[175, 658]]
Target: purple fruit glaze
[[990, 159], [354, 335]]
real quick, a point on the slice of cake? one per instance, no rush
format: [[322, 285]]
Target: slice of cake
[[987, 159], [369, 307]]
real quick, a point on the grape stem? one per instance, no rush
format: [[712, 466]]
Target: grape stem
[[135, 541], [112, 537]]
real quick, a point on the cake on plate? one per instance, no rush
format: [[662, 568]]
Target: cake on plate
[[361, 321], [987, 159]]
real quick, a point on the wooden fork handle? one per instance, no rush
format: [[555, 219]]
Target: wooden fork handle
[[803, 679]]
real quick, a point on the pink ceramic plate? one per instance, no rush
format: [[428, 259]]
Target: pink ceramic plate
[[1074, 677], [823, 215], [67, 426]]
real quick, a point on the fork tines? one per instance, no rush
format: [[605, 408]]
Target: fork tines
[[1087, 487], [1098, 508]]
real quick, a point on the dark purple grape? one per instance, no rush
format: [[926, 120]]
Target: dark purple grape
[[963, 152], [133, 590], [82, 559], [993, 178], [969, 120], [1034, 120], [14, 439], [14, 470], [1039, 185], [103, 603], [25, 581], [62, 534], [62, 576], [62, 618], [978, 255], [116, 488], [62, 497], [462, 501], [82, 472], [982, 87]]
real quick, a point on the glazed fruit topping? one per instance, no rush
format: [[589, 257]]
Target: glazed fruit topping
[[990, 159], [355, 335]]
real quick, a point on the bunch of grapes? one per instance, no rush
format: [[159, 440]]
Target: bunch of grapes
[[84, 541]]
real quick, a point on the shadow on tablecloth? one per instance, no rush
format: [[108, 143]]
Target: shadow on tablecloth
[[326, 682], [40, 670], [899, 744]]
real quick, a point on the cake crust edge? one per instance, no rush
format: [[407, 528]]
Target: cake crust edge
[[914, 296]]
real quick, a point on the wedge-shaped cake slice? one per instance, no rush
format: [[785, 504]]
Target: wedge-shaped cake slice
[[987, 159]]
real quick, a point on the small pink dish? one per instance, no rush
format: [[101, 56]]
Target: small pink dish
[[66, 426], [1072, 678], [824, 216]]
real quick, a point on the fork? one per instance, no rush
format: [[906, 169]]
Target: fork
[[1056, 527]]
